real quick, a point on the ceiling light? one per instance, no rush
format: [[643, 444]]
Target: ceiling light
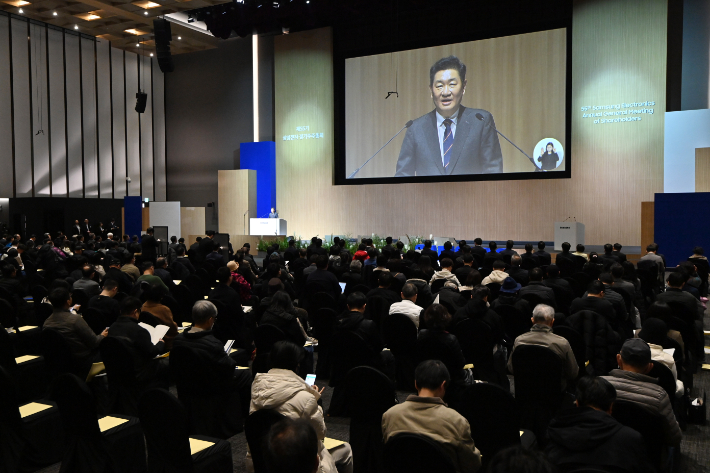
[[21, 10], [138, 45], [179, 37], [76, 27], [55, 13], [151, 54], [146, 4], [16, 3], [135, 32]]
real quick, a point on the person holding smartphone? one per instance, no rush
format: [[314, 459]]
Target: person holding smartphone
[[282, 390]]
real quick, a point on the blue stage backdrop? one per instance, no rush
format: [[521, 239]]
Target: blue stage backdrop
[[133, 215], [261, 157], [681, 222]]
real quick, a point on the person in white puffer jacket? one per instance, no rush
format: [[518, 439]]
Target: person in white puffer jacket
[[282, 390]]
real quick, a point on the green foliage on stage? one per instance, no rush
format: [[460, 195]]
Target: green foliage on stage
[[347, 242]]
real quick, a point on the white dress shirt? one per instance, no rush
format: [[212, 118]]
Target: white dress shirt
[[408, 308], [441, 127]]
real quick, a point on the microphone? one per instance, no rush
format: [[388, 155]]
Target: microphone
[[406, 125], [480, 117]]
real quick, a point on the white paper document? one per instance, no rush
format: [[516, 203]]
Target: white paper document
[[156, 333]]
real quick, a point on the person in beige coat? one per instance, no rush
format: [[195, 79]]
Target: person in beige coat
[[282, 390], [427, 414]]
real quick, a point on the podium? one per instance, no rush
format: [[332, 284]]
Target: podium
[[571, 232], [267, 226]]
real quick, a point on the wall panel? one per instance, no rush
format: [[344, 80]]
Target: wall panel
[[133, 162], [158, 102], [105, 155], [6, 177], [146, 128], [40, 110], [88, 85], [57, 124], [22, 108], [119, 122], [75, 156]]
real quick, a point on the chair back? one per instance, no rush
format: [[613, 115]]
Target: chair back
[[682, 312], [369, 393], [576, 342], [38, 293], [665, 378], [80, 297], [687, 332], [197, 286], [96, 319], [412, 453], [265, 336], [515, 322], [121, 375], [437, 285], [377, 308], [8, 314], [532, 298], [476, 341], [164, 425], [360, 288], [148, 318], [186, 299], [76, 406], [495, 289], [563, 299], [42, 312], [650, 427], [9, 413], [400, 336], [577, 290], [703, 267], [431, 348], [348, 351], [58, 357], [192, 374], [320, 300], [493, 416], [583, 279], [256, 426]]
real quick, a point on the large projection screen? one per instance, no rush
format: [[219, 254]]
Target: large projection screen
[[517, 84]]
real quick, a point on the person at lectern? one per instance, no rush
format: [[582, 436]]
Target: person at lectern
[[451, 139], [273, 213], [548, 158]]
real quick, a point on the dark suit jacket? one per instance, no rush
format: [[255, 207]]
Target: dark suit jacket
[[125, 283], [212, 350], [595, 304], [476, 149], [544, 256], [355, 322], [137, 340], [547, 296], [433, 257], [148, 246], [521, 276], [76, 230]]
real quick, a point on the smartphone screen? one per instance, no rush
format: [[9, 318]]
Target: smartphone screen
[[311, 379]]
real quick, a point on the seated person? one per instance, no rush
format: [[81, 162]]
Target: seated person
[[594, 300], [87, 283], [199, 337], [150, 372], [11, 283], [541, 335], [632, 384], [292, 446], [466, 267], [408, 305], [589, 436], [508, 295], [181, 267], [281, 314], [655, 333], [154, 295], [554, 279], [450, 297], [282, 390], [427, 414], [477, 308], [521, 276], [322, 280], [354, 321], [233, 328], [385, 280], [240, 284], [82, 341], [130, 268], [498, 274], [535, 286], [105, 301], [125, 282], [161, 270], [437, 320], [148, 275], [216, 257], [447, 266]]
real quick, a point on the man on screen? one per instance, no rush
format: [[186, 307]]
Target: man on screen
[[450, 140]]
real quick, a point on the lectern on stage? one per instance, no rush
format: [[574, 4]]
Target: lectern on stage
[[267, 226], [571, 232]]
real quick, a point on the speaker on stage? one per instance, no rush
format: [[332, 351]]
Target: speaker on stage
[[163, 36]]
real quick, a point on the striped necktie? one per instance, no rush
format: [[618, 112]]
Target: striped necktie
[[448, 142]]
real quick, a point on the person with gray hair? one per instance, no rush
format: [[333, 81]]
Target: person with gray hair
[[541, 335], [200, 338], [408, 306]]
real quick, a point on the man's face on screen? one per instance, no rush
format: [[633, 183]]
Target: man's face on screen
[[447, 92]]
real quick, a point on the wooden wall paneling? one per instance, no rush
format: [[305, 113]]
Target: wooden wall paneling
[[22, 111], [532, 65], [702, 169], [146, 218], [118, 95], [647, 223], [57, 115], [192, 222], [133, 162], [105, 154], [146, 124], [40, 110], [237, 193], [88, 85], [73, 117], [6, 130], [158, 103]]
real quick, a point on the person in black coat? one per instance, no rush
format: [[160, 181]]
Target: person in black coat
[[509, 249], [508, 295], [492, 255], [281, 314], [589, 436], [594, 301], [150, 372], [384, 290], [477, 308], [448, 252], [618, 253], [200, 338], [437, 320], [554, 279], [232, 329], [544, 257], [322, 280], [105, 301], [433, 256], [291, 252], [148, 246], [536, 286], [125, 283], [521, 276], [181, 267], [205, 247]]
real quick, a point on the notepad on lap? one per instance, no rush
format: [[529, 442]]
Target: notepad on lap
[[670, 351], [228, 346], [246, 308], [156, 333], [468, 366], [95, 369], [108, 422], [197, 446], [186, 324], [26, 327], [22, 359], [32, 408], [330, 444]]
